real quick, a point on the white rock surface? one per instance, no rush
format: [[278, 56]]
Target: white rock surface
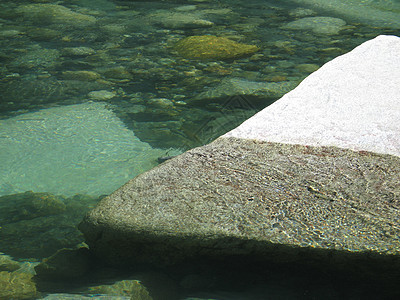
[[351, 102]]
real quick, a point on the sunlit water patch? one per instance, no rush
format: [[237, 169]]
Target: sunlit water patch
[[66, 150]]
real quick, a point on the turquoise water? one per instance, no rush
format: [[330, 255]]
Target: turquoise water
[[92, 93]]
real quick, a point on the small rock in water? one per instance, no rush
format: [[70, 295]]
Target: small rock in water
[[51, 13], [212, 47], [81, 75], [77, 51], [318, 25], [101, 95]]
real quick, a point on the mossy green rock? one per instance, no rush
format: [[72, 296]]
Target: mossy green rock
[[213, 47], [14, 285]]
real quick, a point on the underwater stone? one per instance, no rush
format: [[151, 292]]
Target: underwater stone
[[29, 205], [319, 25], [15, 285], [213, 47], [77, 51], [101, 95], [83, 148], [238, 86], [177, 20], [132, 288], [7, 264], [53, 13], [81, 75], [65, 264], [376, 13]]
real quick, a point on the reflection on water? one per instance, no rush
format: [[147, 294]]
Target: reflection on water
[[94, 91]]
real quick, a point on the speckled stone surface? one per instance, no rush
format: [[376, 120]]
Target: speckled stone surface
[[237, 196], [313, 177]]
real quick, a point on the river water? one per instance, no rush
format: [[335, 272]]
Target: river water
[[94, 92]]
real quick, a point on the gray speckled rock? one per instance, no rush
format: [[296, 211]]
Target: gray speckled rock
[[247, 193]]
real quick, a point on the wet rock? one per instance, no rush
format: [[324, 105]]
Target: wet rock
[[382, 13], [30, 92], [161, 102], [84, 146], [117, 73], [77, 51], [15, 285], [318, 25], [42, 236], [9, 33], [81, 75], [7, 264], [42, 13], [81, 297], [238, 86], [212, 47], [43, 34], [29, 205], [65, 264], [37, 58], [178, 20], [307, 68], [102, 95], [301, 12], [127, 288]]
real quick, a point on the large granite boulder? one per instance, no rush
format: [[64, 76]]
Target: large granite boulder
[[313, 177]]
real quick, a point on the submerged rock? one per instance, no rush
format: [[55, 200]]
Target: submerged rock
[[7, 264], [377, 13], [38, 224], [212, 47], [318, 25], [29, 205], [86, 147], [178, 20], [53, 13], [65, 264], [15, 285], [238, 86], [127, 288]]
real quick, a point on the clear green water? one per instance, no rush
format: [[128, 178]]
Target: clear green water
[[58, 137]]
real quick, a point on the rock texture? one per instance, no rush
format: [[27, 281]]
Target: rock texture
[[213, 47], [318, 25], [351, 102], [254, 192]]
